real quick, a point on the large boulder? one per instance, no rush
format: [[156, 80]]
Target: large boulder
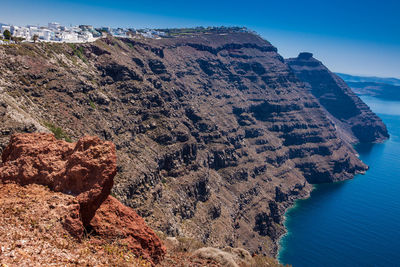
[[85, 169], [114, 220]]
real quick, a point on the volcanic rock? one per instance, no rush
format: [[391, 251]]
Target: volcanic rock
[[32, 231], [206, 127], [85, 169], [114, 220], [356, 122]]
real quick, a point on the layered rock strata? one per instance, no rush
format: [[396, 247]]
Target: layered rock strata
[[215, 135], [355, 120]]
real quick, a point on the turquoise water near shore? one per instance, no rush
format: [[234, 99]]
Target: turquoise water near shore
[[355, 222]]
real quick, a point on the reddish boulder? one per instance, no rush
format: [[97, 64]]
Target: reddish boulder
[[85, 169], [114, 220], [72, 221]]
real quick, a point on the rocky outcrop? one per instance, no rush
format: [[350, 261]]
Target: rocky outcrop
[[32, 232], [85, 170], [348, 112], [113, 221], [233, 258]]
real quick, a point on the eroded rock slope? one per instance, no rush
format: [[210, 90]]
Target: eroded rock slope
[[215, 135], [355, 120]]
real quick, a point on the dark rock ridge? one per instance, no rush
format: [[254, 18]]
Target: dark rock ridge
[[383, 88], [368, 79], [356, 122], [215, 135]]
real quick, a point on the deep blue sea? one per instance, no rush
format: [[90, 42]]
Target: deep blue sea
[[355, 222]]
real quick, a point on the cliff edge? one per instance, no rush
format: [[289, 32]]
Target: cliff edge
[[354, 119]]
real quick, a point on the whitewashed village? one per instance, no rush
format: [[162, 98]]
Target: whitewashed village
[[55, 32]]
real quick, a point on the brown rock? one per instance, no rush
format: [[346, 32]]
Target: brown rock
[[211, 125], [32, 232], [114, 220], [72, 222], [355, 121], [84, 169]]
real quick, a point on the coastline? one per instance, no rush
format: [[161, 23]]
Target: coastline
[[293, 205], [359, 152], [296, 204]]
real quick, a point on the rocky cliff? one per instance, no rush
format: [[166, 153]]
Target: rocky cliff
[[215, 135], [353, 118]]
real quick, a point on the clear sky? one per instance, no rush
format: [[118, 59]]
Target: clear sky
[[355, 37]]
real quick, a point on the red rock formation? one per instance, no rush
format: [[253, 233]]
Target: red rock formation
[[86, 170], [114, 220]]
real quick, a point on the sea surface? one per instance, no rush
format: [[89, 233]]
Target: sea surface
[[355, 222]]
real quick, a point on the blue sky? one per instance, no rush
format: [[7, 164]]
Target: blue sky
[[356, 37]]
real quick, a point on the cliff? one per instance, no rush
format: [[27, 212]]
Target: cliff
[[354, 119], [215, 135]]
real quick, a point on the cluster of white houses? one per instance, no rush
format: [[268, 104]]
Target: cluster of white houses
[[54, 32]]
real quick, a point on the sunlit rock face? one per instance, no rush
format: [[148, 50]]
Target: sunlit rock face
[[357, 123]]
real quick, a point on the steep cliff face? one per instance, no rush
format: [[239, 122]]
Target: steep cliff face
[[215, 135], [356, 122]]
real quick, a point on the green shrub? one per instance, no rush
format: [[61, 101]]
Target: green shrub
[[92, 104], [7, 34], [58, 132], [79, 52]]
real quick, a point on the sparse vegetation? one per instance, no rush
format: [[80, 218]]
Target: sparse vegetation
[[200, 30], [188, 244], [58, 132], [7, 35], [31, 234], [35, 38], [263, 261], [17, 40], [79, 52], [92, 104]]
